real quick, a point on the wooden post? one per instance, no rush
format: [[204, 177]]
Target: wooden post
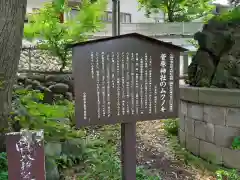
[[185, 63], [128, 151]]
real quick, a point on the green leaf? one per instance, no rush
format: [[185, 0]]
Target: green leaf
[[178, 10], [55, 35]]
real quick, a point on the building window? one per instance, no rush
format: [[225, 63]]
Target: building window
[[217, 10], [128, 18], [124, 17], [73, 13], [34, 10], [109, 16], [26, 19]]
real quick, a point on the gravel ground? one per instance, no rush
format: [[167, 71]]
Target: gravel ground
[[154, 153]]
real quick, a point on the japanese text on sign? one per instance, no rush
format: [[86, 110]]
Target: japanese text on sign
[[131, 75], [163, 82], [26, 148]]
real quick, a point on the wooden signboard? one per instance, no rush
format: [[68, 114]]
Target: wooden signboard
[[124, 79], [25, 154]]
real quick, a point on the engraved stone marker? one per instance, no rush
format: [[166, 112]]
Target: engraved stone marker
[[25, 153], [125, 78]]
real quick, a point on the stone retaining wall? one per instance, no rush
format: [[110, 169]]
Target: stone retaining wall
[[53, 86], [209, 122]]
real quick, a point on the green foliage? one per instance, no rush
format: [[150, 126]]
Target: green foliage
[[225, 175], [194, 43], [3, 167], [32, 114], [236, 143], [171, 126], [55, 35], [178, 10], [141, 174], [232, 16], [65, 161], [101, 159], [97, 158]]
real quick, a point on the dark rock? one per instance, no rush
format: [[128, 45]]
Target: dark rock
[[201, 69], [17, 87], [72, 147], [53, 149], [216, 63], [70, 83], [214, 42], [48, 96], [59, 78], [29, 87], [59, 88], [69, 96], [52, 172], [50, 83], [28, 81], [21, 79], [40, 88], [35, 84], [57, 97], [38, 77]]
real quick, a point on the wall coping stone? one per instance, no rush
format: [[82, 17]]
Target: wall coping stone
[[211, 96]]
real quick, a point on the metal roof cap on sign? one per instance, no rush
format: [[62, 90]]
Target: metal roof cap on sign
[[135, 35]]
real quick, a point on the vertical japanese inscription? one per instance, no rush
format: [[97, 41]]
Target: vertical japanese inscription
[[103, 84], [132, 84], [127, 77], [26, 146], [146, 81], [150, 85], [171, 80], [127, 83], [108, 86], [113, 69], [118, 84], [141, 85], [92, 65], [123, 81], [26, 157], [85, 105], [137, 83], [98, 86], [163, 82]]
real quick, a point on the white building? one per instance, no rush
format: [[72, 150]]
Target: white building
[[129, 11], [134, 20]]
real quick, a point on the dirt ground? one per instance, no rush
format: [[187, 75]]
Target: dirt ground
[[154, 152]]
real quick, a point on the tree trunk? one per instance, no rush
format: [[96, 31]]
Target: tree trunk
[[12, 15], [170, 16]]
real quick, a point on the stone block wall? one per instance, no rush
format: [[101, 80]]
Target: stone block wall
[[209, 122]]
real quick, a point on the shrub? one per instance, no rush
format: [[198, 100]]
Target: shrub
[[236, 143], [227, 175], [3, 167], [232, 16], [171, 126], [97, 156]]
